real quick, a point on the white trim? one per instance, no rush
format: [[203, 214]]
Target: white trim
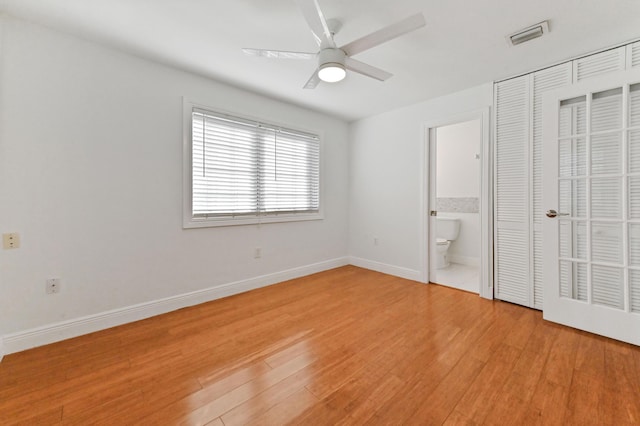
[[22, 340], [1, 348], [432, 223], [425, 189], [250, 220], [486, 207], [486, 197], [398, 271]]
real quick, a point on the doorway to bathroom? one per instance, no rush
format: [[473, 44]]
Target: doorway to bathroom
[[458, 233]]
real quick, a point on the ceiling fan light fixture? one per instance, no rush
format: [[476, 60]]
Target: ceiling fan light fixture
[[332, 72], [334, 61]]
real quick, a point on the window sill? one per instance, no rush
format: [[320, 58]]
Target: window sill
[[248, 220]]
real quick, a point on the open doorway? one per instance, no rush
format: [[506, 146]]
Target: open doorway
[[455, 159], [457, 204]]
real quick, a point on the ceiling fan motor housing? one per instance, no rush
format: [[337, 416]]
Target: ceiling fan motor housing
[[331, 56]]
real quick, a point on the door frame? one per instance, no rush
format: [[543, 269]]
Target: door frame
[[486, 196]]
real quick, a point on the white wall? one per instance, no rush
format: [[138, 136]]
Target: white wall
[[458, 171], [91, 178], [385, 158], [458, 176]]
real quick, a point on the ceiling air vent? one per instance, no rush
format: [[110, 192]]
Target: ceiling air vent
[[529, 33]]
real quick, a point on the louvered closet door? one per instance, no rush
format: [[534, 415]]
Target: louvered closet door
[[633, 55], [512, 269], [542, 82], [602, 63], [591, 190]]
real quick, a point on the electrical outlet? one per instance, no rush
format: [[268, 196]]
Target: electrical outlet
[[257, 254], [11, 241], [53, 285]]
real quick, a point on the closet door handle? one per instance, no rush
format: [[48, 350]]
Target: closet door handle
[[552, 213]]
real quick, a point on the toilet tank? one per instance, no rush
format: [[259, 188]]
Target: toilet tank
[[447, 228]]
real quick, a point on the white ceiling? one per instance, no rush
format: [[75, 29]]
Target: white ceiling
[[463, 44]]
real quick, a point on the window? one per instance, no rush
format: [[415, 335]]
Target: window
[[242, 171]]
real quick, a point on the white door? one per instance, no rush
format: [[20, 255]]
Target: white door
[[591, 206]]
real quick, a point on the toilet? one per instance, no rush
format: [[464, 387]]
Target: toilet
[[447, 229]]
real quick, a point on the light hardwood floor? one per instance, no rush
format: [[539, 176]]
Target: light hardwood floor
[[347, 346]]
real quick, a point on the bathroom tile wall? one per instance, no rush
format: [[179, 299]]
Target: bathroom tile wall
[[458, 204]]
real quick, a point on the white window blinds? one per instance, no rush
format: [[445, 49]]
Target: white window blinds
[[244, 168]]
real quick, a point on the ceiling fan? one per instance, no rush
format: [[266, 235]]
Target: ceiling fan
[[333, 61]]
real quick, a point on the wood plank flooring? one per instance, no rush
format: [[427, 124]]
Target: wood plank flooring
[[347, 346]]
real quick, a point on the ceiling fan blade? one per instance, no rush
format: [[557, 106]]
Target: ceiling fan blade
[[278, 54], [316, 21], [313, 81], [385, 34], [366, 69]]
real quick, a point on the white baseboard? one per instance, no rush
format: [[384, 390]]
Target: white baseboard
[[464, 260], [22, 340], [409, 274]]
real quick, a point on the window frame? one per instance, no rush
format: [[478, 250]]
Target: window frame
[[189, 221]]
